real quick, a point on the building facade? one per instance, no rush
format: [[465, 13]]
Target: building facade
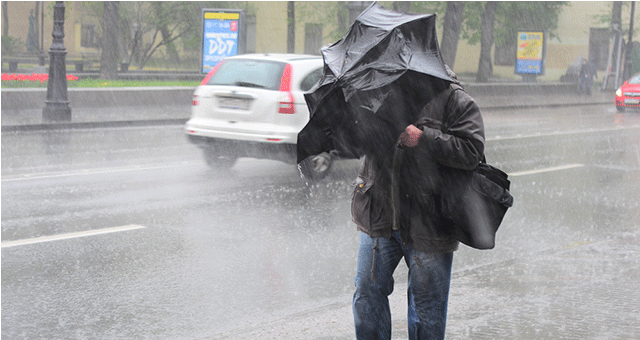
[[81, 31], [580, 33], [317, 23]]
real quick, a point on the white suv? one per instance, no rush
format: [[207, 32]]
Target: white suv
[[252, 105]]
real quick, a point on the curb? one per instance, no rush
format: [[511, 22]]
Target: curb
[[20, 99], [182, 121], [539, 106], [17, 100], [93, 125]]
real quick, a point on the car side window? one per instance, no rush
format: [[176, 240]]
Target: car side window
[[311, 79]]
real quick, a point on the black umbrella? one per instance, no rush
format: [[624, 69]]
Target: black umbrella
[[375, 81]]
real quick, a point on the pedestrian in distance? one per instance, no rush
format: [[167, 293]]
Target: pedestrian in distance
[[396, 211], [587, 73]]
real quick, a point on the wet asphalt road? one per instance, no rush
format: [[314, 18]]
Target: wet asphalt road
[[205, 254]]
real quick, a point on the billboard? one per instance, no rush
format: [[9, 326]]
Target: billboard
[[223, 35], [530, 52]]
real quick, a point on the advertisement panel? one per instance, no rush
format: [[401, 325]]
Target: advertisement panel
[[222, 36], [530, 52]]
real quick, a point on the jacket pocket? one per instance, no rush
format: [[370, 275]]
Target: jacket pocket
[[361, 202]]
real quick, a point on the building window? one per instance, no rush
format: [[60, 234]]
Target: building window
[[89, 37]]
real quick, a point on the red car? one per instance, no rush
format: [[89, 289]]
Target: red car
[[628, 95]]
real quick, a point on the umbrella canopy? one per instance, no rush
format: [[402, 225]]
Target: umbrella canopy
[[375, 81]]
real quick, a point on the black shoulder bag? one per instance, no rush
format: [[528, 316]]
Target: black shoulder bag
[[474, 201]]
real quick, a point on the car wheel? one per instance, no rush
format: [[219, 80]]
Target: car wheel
[[620, 108], [216, 161], [316, 167]]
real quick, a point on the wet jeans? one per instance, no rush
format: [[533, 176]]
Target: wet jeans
[[428, 288]]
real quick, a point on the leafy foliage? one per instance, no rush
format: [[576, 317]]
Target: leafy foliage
[[511, 16], [11, 45], [606, 17], [533, 15], [330, 11], [171, 21], [169, 28]]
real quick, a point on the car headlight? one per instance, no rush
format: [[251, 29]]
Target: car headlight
[[619, 92]]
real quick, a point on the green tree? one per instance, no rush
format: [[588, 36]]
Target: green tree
[[168, 22], [173, 21], [334, 12], [509, 17], [5, 19], [485, 67], [291, 26], [616, 10], [109, 54], [169, 28], [451, 31], [534, 15], [11, 45]]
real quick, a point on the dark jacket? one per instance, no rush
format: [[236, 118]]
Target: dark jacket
[[588, 70], [399, 190]]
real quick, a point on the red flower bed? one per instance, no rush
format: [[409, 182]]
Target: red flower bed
[[32, 77]]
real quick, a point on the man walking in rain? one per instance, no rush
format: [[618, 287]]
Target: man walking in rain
[[386, 94], [398, 220]]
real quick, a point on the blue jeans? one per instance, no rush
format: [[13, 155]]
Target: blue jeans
[[428, 288]]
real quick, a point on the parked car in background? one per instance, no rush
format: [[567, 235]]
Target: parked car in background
[[628, 95], [253, 105]]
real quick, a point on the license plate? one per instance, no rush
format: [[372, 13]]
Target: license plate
[[234, 103], [632, 101]]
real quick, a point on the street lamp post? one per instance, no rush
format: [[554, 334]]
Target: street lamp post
[[627, 59], [57, 105]]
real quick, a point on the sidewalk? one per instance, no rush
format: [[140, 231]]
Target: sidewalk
[[98, 107], [172, 105], [503, 102]]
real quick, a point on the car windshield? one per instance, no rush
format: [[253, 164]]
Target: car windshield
[[249, 73], [635, 79]]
